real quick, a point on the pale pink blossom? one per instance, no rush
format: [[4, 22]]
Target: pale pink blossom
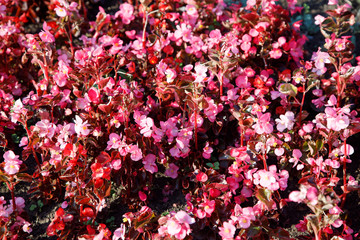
[[263, 124], [126, 13], [285, 121], [183, 217], [173, 227], [136, 153], [60, 11], [12, 162], [244, 222], [46, 128], [227, 231], [320, 59], [149, 163], [119, 233], [319, 19], [200, 74], [170, 75], [81, 127]]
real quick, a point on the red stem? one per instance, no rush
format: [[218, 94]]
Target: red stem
[[195, 128], [344, 176], [32, 147], [221, 83], [71, 40], [301, 106], [11, 188]]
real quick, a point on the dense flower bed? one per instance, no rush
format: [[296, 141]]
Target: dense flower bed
[[217, 98]]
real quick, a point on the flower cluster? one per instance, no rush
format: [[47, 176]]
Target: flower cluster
[[204, 102]]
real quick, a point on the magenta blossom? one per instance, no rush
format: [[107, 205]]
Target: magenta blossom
[[172, 171]]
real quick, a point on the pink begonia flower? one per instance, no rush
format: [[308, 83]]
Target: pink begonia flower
[[183, 217], [296, 158], [46, 128], [183, 31], [227, 231], [208, 206], [199, 120], [285, 121], [275, 53], [60, 11], [246, 43], [200, 74], [214, 38], [320, 58], [45, 35], [116, 46], [23, 142], [349, 149], [297, 196], [312, 195], [126, 13], [81, 127], [119, 233], [26, 227], [60, 79], [213, 109], [149, 163], [142, 196], [244, 222], [333, 2], [263, 124], [332, 101], [116, 164], [319, 19], [191, 10], [242, 81], [266, 178], [173, 227], [146, 125], [188, 68], [171, 171], [336, 121], [279, 151], [17, 110], [232, 183], [207, 150], [136, 153], [114, 141], [12, 162], [93, 95], [131, 34], [308, 128], [170, 75], [337, 223], [335, 210]]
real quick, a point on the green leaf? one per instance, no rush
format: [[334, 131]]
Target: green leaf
[[32, 207], [264, 195], [111, 219], [210, 165], [288, 89], [253, 231], [319, 144], [15, 138], [40, 203], [216, 165]]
